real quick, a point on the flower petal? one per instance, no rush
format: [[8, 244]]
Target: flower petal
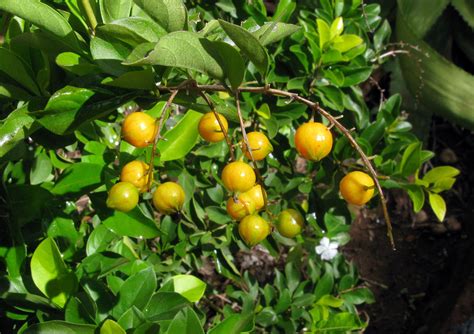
[[333, 245], [324, 242], [320, 249]]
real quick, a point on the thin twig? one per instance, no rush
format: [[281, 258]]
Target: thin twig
[[224, 131], [313, 106]]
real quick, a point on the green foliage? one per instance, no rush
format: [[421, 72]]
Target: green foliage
[[72, 265]]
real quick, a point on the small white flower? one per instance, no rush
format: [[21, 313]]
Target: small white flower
[[327, 249]]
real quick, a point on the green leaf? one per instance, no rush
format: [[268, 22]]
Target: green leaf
[[180, 140], [411, 159], [328, 300], [111, 327], [14, 128], [109, 53], [76, 64], [382, 35], [98, 265], [337, 26], [13, 92], [438, 205], [164, 305], [99, 239], [132, 224], [170, 14], [324, 286], [44, 17], [189, 286], [248, 44], [416, 15], [41, 169], [59, 327], [272, 32], [133, 30], [466, 9], [346, 42], [79, 177], [18, 70], [144, 79], [417, 196], [135, 291], [441, 172], [50, 274], [27, 202], [324, 33], [189, 50], [132, 318], [359, 296], [111, 10], [235, 324], [185, 322]]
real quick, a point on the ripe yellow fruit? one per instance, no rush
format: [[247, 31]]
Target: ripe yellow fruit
[[259, 144], [238, 176], [290, 223], [139, 129], [256, 194], [209, 127], [313, 141], [123, 196], [169, 198], [357, 188], [254, 229], [243, 207], [135, 172]]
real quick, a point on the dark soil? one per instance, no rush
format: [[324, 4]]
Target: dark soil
[[427, 284]]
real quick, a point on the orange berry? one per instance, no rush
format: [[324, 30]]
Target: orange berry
[[123, 196], [259, 144], [238, 176], [313, 141], [139, 129], [135, 172], [290, 223], [357, 188], [256, 194], [209, 127], [254, 229], [243, 207], [169, 197]]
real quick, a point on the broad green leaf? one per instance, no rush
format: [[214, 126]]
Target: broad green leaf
[[109, 53], [190, 50], [354, 76], [60, 327], [417, 196], [50, 274], [76, 64], [13, 92], [17, 69], [416, 15], [324, 286], [346, 42], [164, 305], [80, 309], [65, 231], [466, 9], [14, 128], [328, 300], [111, 10], [272, 32], [248, 44], [170, 14], [132, 318], [284, 10], [337, 26], [135, 291], [181, 139], [144, 79], [185, 322], [27, 202], [80, 177], [382, 35], [132, 224], [133, 30], [189, 286], [438, 205], [411, 159], [99, 239], [324, 33], [41, 169], [44, 17], [359, 296], [235, 324], [111, 327], [441, 172], [102, 264]]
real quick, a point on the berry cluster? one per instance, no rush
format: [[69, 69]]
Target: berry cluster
[[313, 142]]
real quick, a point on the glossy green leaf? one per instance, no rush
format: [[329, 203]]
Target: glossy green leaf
[[441, 172], [164, 305], [411, 159], [44, 17], [189, 50], [248, 44], [41, 169], [346, 42], [324, 286], [170, 14], [416, 15], [466, 9], [60, 327], [132, 224], [324, 33], [185, 322], [438, 205], [417, 196], [337, 26], [131, 319], [14, 128], [189, 286], [133, 30], [18, 70], [109, 53], [80, 309], [99, 239], [180, 140], [50, 274], [359, 296], [111, 327], [272, 32], [13, 92], [135, 291], [111, 10], [76, 64], [98, 265], [80, 177], [328, 300], [235, 324], [144, 79]]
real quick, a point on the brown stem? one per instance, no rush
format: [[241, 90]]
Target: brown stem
[[224, 131], [313, 106]]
